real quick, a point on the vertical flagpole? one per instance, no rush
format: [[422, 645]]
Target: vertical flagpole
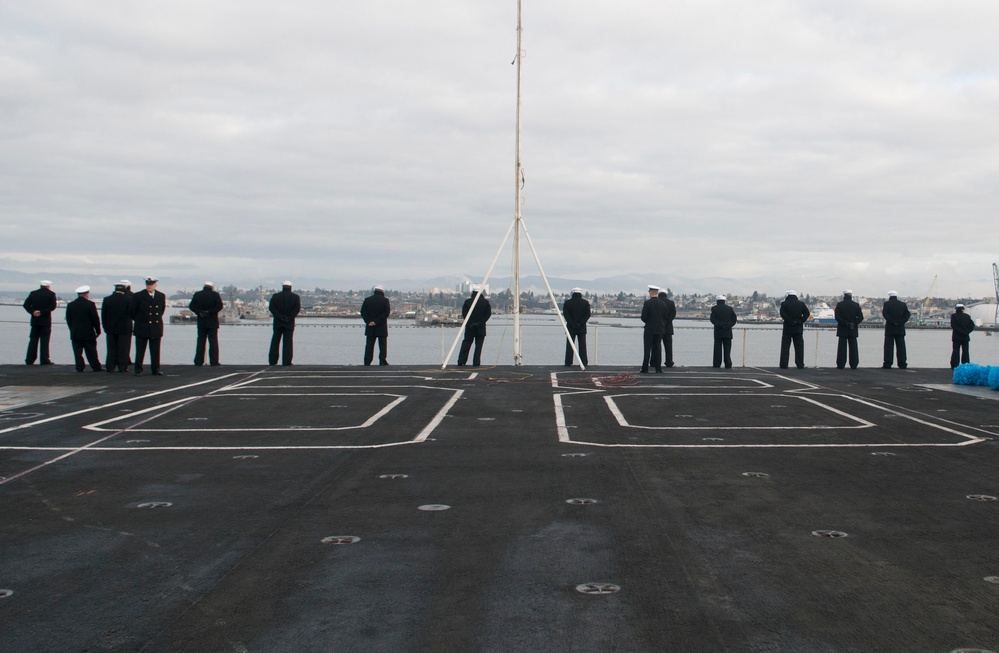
[[518, 182]]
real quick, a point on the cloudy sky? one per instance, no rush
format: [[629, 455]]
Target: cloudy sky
[[807, 144]]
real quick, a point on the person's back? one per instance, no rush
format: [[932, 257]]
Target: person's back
[[654, 313]]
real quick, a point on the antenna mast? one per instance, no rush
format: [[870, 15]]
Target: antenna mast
[[518, 184]]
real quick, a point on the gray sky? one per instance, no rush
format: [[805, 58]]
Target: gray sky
[[815, 145]]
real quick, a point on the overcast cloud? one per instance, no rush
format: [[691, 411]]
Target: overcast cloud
[[810, 144]]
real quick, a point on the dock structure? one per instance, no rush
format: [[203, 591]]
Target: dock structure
[[497, 509]]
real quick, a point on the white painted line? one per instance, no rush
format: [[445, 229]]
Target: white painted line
[[439, 417]]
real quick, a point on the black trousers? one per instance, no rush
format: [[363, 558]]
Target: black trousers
[[723, 350], [895, 343], [90, 348], [668, 350], [961, 353], [117, 346], [653, 351], [283, 340], [785, 349], [154, 352], [466, 345], [847, 343], [38, 344], [211, 338], [580, 345], [369, 350]]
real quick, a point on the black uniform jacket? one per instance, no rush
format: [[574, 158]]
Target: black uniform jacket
[[848, 316], [654, 315], [285, 307], [81, 316], [723, 317], [477, 323], [377, 309], [576, 312], [43, 300], [670, 312], [114, 314], [207, 304], [147, 312], [794, 313], [961, 326], [896, 314]]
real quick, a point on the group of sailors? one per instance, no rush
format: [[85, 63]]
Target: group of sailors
[[125, 314]]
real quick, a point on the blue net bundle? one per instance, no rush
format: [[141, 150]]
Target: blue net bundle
[[994, 377], [972, 374]]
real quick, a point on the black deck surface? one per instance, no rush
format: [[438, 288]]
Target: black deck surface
[[739, 510]]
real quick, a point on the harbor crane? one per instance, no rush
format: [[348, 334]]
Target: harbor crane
[[925, 306], [995, 276]]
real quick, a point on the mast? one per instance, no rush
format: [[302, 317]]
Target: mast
[[518, 183]]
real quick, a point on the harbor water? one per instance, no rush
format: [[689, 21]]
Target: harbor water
[[611, 341]]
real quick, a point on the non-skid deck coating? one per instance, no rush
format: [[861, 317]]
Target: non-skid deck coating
[[497, 509]]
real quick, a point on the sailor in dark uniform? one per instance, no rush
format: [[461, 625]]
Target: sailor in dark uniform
[[147, 309], [375, 311], [654, 317], [285, 307], [668, 336], [207, 304], [475, 328], [896, 314], [576, 312], [794, 313], [848, 318], [117, 329], [961, 326], [84, 328], [39, 304], [724, 318]]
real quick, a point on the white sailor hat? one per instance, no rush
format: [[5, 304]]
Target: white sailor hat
[[791, 292], [45, 282], [847, 292], [124, 282], [380, 287], [893, 293], [652, 287], [286, 283], [151, 280], [721, 297], [209, 284], [82, 289], [959, 306], [577, 290]]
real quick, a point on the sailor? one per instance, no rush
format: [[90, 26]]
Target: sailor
[[961, 326], [848, 318], [375, 311], [117, 329], [206, 304], [654, 316], [84, 328], [128, 336], [146, 309], [475, 327], [285, 307], [794, 313], [668, 336], [576, 312], [896, 314], [39, 304], [723, 317]]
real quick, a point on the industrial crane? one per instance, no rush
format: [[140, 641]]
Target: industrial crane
[[995, 275], [924, 307]]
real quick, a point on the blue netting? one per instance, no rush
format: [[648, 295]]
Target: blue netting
[[994, 377], [972, 374]]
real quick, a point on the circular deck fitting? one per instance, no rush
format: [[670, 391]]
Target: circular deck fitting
[[245, 456], [341, 539], [827, 533], [981, 497], [713, 439], [5, 593], [778, 406], [597, 588], [135, 441], [580, 501], [518, 410], [486, 419], [433, 507], [394, 476], [154, 504], [883, 453], [683, 416], [972, 650], [992, 579], [574, 455], [756, 474]]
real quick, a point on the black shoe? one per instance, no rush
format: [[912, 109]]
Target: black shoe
[[886, 367], [138, 371], [30, 363], [157, 373], [645, 371], [81, 369], [100, 369], [383, 364], [46, 363], [659, 370], [216, 364]]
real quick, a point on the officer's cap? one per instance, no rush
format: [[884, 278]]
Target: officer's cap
[[151, 280], [82, 289], [124, 282], [45, 282], [651, 287]]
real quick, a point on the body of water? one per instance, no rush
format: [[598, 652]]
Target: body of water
[[611, 341]]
